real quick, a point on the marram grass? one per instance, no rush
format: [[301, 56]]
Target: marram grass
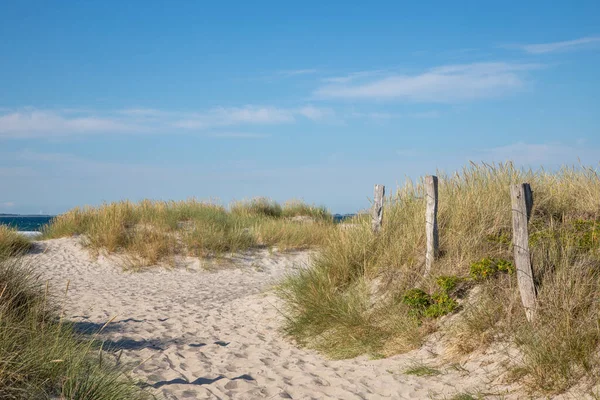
[[154, 231], [12, 243], [351, 301], [40, 356]]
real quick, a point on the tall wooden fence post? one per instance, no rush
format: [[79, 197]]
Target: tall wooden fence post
[[431, 225], [522, 202], [377, 211]]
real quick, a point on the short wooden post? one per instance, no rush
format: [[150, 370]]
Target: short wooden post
[[522, 202], [431, 225], [377, 211]]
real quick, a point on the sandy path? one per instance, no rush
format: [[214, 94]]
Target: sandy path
[[216, 335]]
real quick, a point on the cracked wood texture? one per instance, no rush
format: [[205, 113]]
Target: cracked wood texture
[[431, 225], [522, 202], [377, 211]]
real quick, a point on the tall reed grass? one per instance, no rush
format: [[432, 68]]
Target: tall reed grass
[[153, 231], [367, 293]]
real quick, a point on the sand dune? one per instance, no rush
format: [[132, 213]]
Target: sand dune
[[206, 331]]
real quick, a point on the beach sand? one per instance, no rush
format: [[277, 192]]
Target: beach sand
[[213, 331]]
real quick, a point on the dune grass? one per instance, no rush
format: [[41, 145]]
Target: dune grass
[[366, 293], [154, 231], [40, 356], [12, 243]]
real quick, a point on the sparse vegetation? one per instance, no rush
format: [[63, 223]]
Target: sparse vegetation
[[40, 357], [367, 293], [422, 370], [154, 231]]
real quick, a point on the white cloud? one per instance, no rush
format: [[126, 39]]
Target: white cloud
[[237, 135], [295, 72], [315, 113], [353, 76], [536, 154], [7, 204], [236, 116], [444, 84], [35, 123], [567, 45], [28, 122]]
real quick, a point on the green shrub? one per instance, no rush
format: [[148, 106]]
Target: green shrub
[[431, 306], [417, 300], [488, 267], [441, 304], [448, 283]]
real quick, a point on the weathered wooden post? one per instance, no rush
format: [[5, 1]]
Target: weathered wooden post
[[377, 211], [431, 225], [522, 202]]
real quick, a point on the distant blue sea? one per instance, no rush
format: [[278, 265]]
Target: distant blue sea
[[36, 222], [342, 217], [25, 223]]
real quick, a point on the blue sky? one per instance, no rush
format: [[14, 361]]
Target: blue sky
[[102, 101]]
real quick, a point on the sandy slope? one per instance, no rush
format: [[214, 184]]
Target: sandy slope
[[193, 333]]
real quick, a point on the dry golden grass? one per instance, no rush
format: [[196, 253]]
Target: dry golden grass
[[154, 231], [352, 300]]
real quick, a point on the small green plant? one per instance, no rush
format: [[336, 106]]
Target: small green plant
[[448, 283], [417, 300], [502, 237], [431, 306], [488, 267], [442, 304], [588, 234]]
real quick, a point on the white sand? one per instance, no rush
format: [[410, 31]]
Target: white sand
[[216, 334]]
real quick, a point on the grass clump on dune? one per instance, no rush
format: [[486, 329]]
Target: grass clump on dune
[[153, 231], [40, 357], [12, 243], [354, 298]]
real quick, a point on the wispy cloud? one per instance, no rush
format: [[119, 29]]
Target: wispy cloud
[[536, 154], [31, 123], [237, 135], [296, 72], [353, 76], [7, 204], [554, 47], [384, 116], [445, 84], [37, 122]]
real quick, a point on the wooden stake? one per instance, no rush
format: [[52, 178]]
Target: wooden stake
[[377, 211], [431, 225], [522, 202]]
